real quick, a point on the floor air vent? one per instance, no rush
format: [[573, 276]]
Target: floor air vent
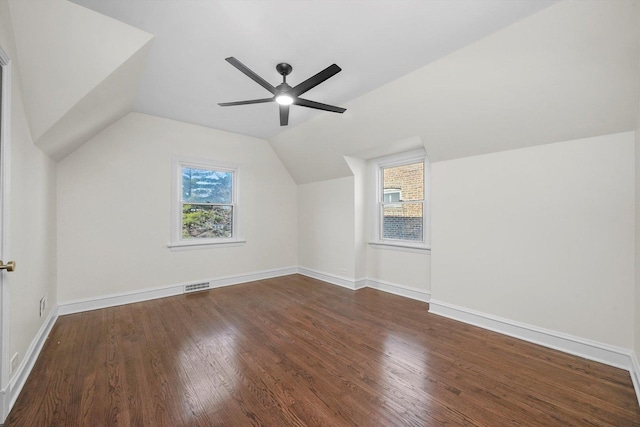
[[196, 287]]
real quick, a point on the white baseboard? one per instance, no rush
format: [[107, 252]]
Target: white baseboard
[[599, 352], [28, 361], [88, 304], [360, 283], [396, 289], [252, 277], [635, 374], [345, 282], [113, 300]]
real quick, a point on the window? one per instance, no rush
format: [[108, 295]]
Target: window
[[392, 195], [402, 188], [205, 203]]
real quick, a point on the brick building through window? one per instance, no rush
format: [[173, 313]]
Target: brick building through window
[[402, 201]]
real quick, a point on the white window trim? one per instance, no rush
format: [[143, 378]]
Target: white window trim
[[403, 247], [378, 164], [177, 243]]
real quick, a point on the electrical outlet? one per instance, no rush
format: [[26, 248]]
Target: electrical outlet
[[14, 362]]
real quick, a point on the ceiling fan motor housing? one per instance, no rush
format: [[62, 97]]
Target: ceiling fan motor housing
[[284, 94], [282, 88]]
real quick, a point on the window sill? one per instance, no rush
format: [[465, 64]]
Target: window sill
[[183, 246], [404, 247]]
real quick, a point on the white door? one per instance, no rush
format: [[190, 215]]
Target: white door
[[5, 121]]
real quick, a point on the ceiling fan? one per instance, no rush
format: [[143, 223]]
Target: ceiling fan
[[284, 94]]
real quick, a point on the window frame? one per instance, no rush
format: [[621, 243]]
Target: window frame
[[177, 242], [379, 164]]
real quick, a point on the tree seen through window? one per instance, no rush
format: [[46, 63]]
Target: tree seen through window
[[207, 203]]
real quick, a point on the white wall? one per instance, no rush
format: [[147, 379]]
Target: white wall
[[32, 209], [326, 227], [541, 235], [114, 209], [334, 219], [399, 267], [359, 168]]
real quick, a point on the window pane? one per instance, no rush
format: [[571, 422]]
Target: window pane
[[206, 221], [406, 180], [206, 186], [391, 195], [402, 221]]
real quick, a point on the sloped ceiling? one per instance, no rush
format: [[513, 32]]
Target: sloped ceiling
[[565, 71], [374, 42], [79, 70], [569, 71]]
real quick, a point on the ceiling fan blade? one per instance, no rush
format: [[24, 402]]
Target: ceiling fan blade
[[318, 105], [251, 101], [284, 115], [253, 76], [314, 81]]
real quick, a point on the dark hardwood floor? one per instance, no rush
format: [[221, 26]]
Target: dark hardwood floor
[[294, 351]]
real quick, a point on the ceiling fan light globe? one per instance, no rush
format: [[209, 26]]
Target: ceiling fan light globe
[[284, 99]]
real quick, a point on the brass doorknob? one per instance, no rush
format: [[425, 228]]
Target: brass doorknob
[[10, 266]]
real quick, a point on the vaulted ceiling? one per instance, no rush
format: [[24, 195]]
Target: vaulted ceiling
[[79, 71], [374, 42], [570, 71], [459, 78]]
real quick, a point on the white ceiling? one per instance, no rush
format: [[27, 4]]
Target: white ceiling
[[374, 42], [570, 71], [78, 81]]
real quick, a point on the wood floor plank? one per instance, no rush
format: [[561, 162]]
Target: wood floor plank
[[294, 351]]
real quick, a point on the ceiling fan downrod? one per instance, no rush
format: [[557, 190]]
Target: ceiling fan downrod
[[284, 70]]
